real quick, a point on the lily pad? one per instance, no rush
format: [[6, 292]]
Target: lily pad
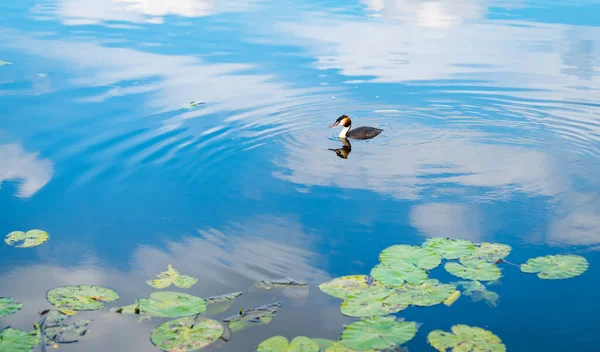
[[395, 275], [8, 306], [31, 238], [377, 333], [474, 270], [323, 343], [172, 276], [449, 248], [429, 293], [15, 340], [489, 252], [556, 267], [269, 284], [281, 344], [186, 334], [61, 328], [465, 338], [374, 303], [345, 286], [171, 304], [422, 257], [252, 317], [81, 297], [478, 292]]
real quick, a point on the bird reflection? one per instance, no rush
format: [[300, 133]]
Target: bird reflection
[[344, 150]]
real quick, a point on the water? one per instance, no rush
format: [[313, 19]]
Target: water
[[491, 118]]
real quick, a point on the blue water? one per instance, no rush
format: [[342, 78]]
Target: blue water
[[491, 118]]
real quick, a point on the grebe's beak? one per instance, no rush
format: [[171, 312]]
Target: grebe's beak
[[334, 124]]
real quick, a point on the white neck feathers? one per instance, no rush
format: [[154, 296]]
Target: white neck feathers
[[344, 132]]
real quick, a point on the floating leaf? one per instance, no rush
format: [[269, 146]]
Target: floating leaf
[[478, 291], [556, 267], [474, 270], [280, 344], [172, 276], [251, 317], [15, 340], [429, 293], [344, 286], [2, 63], [61, 328], [81, 297], [465, 338], [374, 303], [267, 285], [324, 343], [186, 334], [8, 306], [219, 304], [449, 248], [223, 298], [377, 333], [171, 304], [31, 238], [398, 273], [489, 252], [422, 257]]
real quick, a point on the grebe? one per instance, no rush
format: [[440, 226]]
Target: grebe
[[363, 132], [344, 150]]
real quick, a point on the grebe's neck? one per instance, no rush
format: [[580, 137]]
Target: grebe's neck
[[344, 132]]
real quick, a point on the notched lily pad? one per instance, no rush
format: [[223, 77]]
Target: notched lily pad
[[252, 317], [398, 273], [478, 292], [15, 340], [465, 338], [378, 302], [31, 238], [556, 267], [474, 270], [421, 257], [172, 276], [429, 293], [8, 306], [449, 248], [170, 304], [81, 297], [378, 334], [345, 286], [186, 334], [61, 328], [489, 252], [281, 344]]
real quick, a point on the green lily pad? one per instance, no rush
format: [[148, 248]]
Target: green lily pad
[[478, 292], [171, 304], [280, 344], [61, 328], [324, 344], [449, 248], [395, 275], [474, 270], [345, 286], [15, 340], [378, 333], [422, 257], [429, 293], [31, 238], [465, 338], [556, 267], [81, 297], [374, 303], [186, 334], [489, 252], [252, 317], [8, 306], [172, 276]]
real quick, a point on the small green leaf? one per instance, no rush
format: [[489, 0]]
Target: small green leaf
[[449, 248], [395, 275], [377, 334], [344, 286], [172, 276], [186, 334], [556, 267], [489, 252], [220, 304], [465, 338], [374, 303], [280, 344], [429, 293], [422, 257], [31, 238], [474, 270], [171, 304], [8, 306], [81, 297], [15, 340]]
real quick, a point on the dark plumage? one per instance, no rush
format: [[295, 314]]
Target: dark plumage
[[363, 132]]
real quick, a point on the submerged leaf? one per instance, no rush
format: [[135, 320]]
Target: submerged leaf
[[556, 267], [478, 291], [223, 298], [219, 304], [489, 252], [81, 297], [186, 334], [398, 273], [449, 248], [377, 334], [172, 276], [8, 306], [465, 338], [171, 304], [422, 257], [474, 270], [345, 286], [15, 340], [61, 328], [429, 293], [374, 303], [267, 285], [251, 317], [31, 238], [280, 344]]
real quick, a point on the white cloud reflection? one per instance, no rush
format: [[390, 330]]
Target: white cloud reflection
[[16, 164]]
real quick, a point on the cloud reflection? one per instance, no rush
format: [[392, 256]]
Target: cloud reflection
[[16, 164]]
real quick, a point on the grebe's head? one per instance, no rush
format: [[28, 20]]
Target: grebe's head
[[343, 120]]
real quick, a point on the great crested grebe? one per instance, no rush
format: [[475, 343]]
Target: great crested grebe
[[363, 132]]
